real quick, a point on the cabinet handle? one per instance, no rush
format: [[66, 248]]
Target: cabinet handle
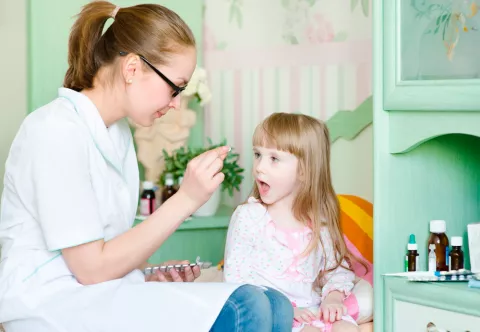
[[433, 328]]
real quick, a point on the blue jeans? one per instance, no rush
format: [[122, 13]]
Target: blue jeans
[[252, 308]]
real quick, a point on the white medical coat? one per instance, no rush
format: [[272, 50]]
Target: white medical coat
[[70, 180]]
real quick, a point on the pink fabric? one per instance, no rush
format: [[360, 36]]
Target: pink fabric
[[357, 267], [352, 306], [293, 240]]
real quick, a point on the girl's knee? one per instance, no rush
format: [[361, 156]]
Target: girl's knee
[[282, 310], [247, 309], [253, 304], [279, 303]]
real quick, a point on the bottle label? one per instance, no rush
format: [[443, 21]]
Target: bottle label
[[416, 264], [447, 257], [145, 207]]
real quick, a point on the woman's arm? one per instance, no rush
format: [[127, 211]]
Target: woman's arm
[[100, 261]]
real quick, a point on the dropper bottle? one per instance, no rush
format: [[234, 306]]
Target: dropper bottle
[[411, 259]]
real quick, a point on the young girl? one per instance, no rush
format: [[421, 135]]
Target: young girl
[[288, 236]]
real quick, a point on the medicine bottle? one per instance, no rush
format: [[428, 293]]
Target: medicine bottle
[[456, 255], [411, 259], [440, 240], [168, 189], [147, 199]]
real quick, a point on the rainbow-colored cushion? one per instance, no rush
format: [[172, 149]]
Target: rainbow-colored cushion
[[357, 223]]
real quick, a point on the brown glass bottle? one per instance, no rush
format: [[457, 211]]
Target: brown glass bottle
[[169, 188], [411, 259], [456, 255], [440, 240]]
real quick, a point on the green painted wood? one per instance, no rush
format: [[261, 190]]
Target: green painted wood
[[450, 296], [411, 95], [198, 236], [221, 219], [209, 244], [348, 124], [410, 129]]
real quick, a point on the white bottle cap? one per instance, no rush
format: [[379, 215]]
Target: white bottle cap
[[457, 241], [438, 226], [412, 246], [147, 185], [169, 179]]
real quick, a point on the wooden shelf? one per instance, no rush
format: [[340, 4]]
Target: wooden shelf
[[410, 129]]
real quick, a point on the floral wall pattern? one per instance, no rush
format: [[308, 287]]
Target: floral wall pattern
[[308, 56]]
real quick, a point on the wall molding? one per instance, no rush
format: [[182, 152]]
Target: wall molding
[[348, 124]]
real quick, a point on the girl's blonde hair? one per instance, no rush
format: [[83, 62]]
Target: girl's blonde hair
[[316, 204]]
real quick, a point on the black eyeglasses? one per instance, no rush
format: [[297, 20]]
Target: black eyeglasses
[[176, 89]]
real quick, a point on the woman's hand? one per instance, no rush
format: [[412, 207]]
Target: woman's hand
[[203, 175], [332, 308], [189, 275]]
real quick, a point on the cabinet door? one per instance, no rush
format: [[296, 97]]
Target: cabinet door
[[414, 317], [430, 50]]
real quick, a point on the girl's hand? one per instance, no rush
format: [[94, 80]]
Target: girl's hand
[[202, 176], [189, 275], [332, 308], [303, 315]]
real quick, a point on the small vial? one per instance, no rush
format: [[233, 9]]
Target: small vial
[[456, 255], [411, 258], [169, 188]]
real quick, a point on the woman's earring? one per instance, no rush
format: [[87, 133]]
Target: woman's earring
[[130, 81]]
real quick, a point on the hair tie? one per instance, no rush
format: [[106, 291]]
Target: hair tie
[[114, 12]]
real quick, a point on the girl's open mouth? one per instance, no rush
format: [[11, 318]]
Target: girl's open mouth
[[263, 187]]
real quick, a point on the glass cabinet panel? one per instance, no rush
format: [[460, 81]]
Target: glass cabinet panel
[[432, 54]]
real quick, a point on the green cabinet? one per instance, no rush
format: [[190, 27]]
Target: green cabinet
[[427, 62], [430, 50], [197, 236], [414, 306], [426, 149]]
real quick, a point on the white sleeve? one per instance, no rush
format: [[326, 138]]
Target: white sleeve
[[64, 199], [239, 247], [340, 279]]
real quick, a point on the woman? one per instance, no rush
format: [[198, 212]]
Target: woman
[[70, 259]]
